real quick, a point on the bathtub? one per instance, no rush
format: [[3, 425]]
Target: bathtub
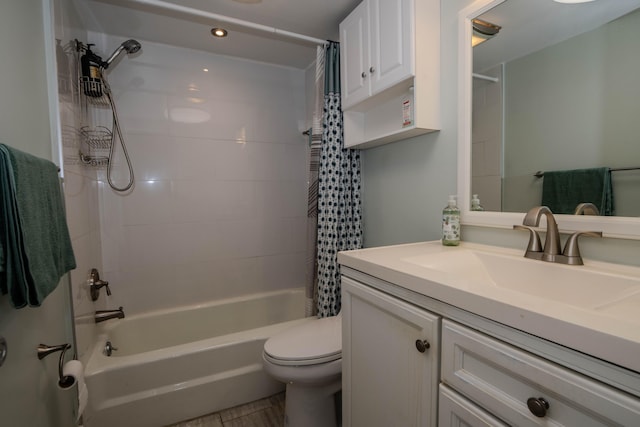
[[182, 363]]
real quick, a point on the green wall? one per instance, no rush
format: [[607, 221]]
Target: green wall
[[575, 105]]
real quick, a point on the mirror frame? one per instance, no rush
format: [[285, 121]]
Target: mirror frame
[[613, 227]]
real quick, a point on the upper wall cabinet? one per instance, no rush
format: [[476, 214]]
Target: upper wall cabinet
[[390, 65]]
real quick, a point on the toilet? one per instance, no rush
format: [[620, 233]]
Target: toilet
[[308, 359]]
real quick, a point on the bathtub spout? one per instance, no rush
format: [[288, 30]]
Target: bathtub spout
[[102, 315]]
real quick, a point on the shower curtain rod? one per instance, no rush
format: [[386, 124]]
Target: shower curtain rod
[[221, 18]]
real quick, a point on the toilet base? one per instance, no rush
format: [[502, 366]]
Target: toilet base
[[311, 406]]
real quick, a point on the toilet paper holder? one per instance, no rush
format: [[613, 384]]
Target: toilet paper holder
[[44, 350]]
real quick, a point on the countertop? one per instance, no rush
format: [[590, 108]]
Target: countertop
[[611, 334]]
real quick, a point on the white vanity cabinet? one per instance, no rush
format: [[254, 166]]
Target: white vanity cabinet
[[389, 360], [489, 373], [525, 390], [390, 67]]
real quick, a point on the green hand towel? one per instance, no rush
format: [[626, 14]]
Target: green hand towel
[[562, 191], [35, 240]]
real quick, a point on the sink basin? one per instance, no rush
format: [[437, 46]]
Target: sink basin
[[578, 286]]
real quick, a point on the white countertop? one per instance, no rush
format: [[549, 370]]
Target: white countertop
[[611, 333]]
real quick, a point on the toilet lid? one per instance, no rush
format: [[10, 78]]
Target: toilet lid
[[319, 341]]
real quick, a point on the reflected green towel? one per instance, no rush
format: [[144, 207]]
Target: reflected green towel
[[36, 247], [562, 191]]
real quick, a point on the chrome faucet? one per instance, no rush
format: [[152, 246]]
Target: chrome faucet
[[552, 242], [586, 209], [551, 250], [102, 315]]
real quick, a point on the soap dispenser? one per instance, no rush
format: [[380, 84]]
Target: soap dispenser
[[475, 203], [91, 74], [451, 223]]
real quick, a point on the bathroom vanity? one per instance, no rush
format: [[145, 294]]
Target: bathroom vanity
[[478, 335]]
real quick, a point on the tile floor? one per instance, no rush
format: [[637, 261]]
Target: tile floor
[[268, 412]]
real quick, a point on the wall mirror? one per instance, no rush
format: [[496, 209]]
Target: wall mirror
[[555, 89]]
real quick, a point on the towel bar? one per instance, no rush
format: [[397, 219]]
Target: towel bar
[[540, 174]]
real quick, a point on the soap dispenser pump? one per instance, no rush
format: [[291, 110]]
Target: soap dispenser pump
[[451, 223], [475, 203]]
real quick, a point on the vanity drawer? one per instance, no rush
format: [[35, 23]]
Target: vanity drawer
[[501, 379], [455, 410]]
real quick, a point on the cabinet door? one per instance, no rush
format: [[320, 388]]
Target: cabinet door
[[386, 380], [456, 411], [392, 41], [354, 56]]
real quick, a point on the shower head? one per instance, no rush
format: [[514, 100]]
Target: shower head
[[130, 46]]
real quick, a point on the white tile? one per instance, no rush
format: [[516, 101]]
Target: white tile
[[149, 203], [226, 213], [193, 158], [283, 271], [192, 200], [142, 112], [146, 246], [151, 155], [282, 199], [194, 242], [234, 199]]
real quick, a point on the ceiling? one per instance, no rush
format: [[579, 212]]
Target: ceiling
[[530, 25], [144, 20]]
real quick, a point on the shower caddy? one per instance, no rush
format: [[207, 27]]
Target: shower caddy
[[95, 135], [96, 131]]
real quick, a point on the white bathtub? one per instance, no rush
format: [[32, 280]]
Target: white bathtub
[[177, 364]]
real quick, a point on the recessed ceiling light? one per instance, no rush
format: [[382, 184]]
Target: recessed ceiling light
[[219, 32]]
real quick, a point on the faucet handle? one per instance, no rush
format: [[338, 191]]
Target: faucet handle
[[95, 284], [571, 249], [534, 246]]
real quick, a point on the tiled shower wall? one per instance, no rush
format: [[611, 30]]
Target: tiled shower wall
[[80, 182], [219, 205]]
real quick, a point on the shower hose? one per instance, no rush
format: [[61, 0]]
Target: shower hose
[[118, 132]]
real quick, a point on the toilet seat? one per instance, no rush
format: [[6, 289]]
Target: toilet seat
[[313, 343]]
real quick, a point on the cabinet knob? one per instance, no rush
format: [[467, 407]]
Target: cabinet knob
[[363, 74], [372, 70], [422, 345], [538, 407]]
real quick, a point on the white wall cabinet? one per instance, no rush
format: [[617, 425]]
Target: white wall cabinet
[[389, 360], [490, 374], [378, 44], [390, 66]]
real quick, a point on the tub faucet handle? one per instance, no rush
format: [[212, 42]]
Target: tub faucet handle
[[95, 284]]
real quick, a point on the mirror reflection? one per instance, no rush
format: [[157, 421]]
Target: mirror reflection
[[556, 105]]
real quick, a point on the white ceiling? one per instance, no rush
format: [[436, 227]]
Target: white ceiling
[[139, 20], [530, 25]]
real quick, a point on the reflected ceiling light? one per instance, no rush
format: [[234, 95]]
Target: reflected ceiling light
[[483, 31], [219, 32], [572, 1]]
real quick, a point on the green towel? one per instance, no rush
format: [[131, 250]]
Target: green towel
[[34, 238], [562, 191]]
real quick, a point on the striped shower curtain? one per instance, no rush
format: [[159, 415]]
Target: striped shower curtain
[[315, 142]]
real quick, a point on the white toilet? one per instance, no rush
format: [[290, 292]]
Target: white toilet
[[308, 358]]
